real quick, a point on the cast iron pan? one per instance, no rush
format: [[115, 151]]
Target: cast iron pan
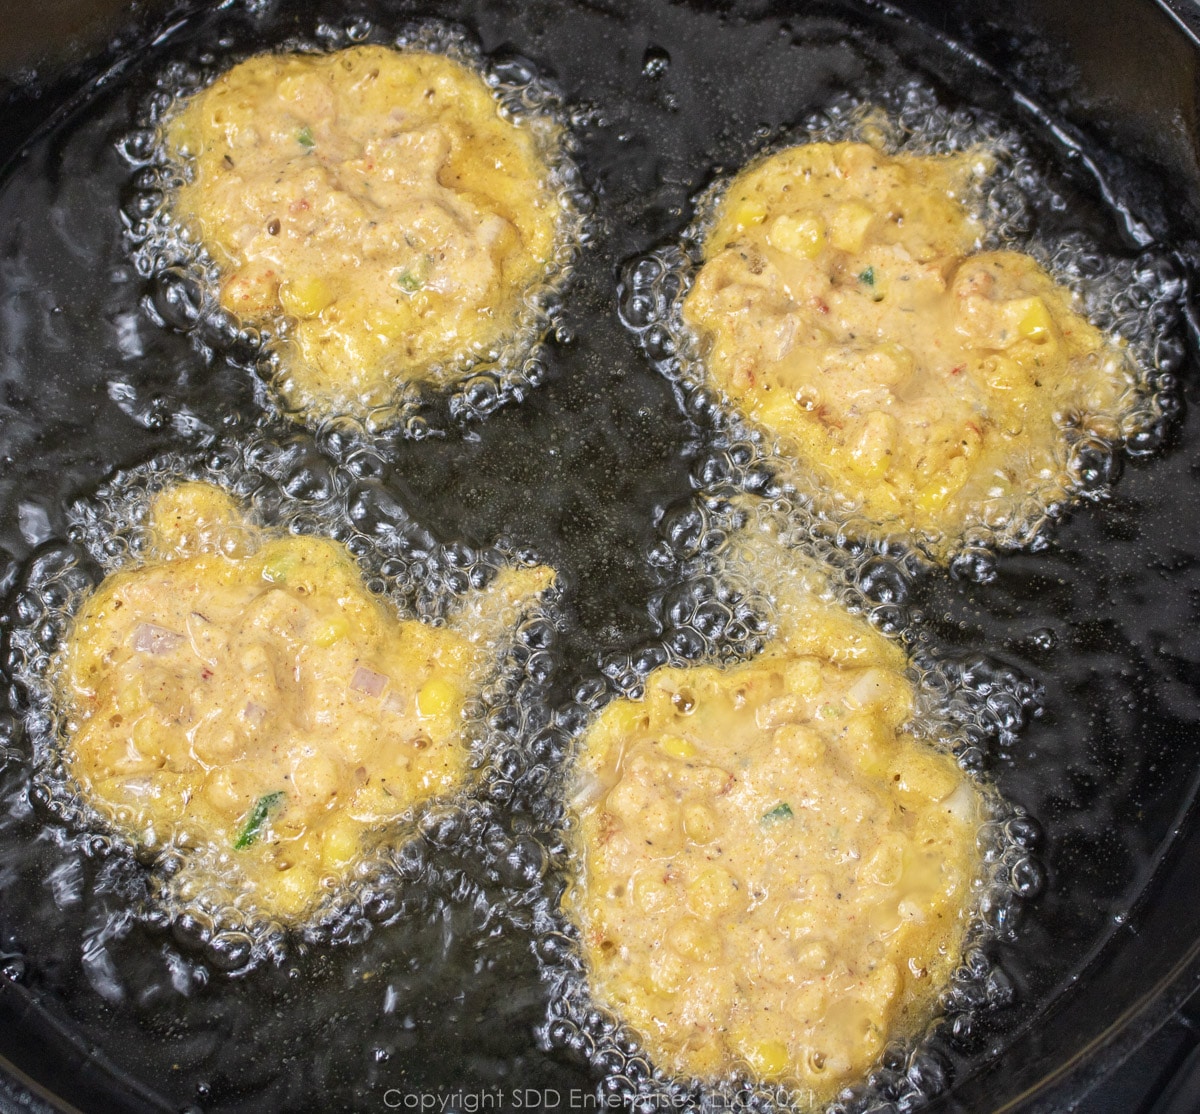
[[589, 472]]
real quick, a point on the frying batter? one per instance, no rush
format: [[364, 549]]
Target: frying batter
[[380, 200], [241, 695], [773, 874], [843, 303]]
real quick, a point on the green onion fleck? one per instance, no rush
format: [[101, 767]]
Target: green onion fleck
[[782, 811], [305, 137], [263, 807], [409, 282], [828, 711], [867, 278]]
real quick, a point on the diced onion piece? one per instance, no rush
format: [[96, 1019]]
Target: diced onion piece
[[587, 790], [149, 638], [397, 702], [254, 713], [368, 682]]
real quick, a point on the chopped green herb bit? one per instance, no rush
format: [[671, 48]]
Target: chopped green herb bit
[[305, 137], [828, 711], [782, 811], [409, 282], [263, 808], [867, 278]]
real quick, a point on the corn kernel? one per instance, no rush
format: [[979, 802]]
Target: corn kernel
[[305, 296], [801, 742], [692, 939], [803, 676], [623, 717], [1036, 323], [147, 735], [699, 823], [848, 226], [748, 213], [339, 844], [769, 1058], [437, 697], [712, 892], [678, 747], [329, 631], [668, 971], [803, 236], [930, 777], [290, 891], [650, 892]]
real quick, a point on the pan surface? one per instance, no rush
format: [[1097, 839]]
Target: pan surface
[[589, 472]]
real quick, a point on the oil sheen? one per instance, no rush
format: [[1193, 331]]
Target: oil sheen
[[445, 966]]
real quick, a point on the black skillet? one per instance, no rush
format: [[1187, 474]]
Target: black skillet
[[587, 471]]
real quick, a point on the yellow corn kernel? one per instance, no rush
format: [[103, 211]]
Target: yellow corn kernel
[[328, 631], [699, 823], [1002, 374], [305, 296], [769, 1059], [712, 892], [803, 236], [803, 676], [934, 496], [748, 213], [867, 740], [668, 971], [1036, 324], [848, 226], [798, 919], [437, 697], [678, 747], [623, 717], [801, 741], [147, 735], [931, 777], [812, 956], [693, 939], [650, 892], [339, 843], [289, 892]]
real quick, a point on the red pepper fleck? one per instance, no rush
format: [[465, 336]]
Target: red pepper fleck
[[958, 370]]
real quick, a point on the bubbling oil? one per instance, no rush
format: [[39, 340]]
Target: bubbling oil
[[728, 564], [438, 985], [289, 488], [1136, 299], [185, 280]]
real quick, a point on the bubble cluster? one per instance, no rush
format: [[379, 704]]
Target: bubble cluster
[[288, 485], [183, 280], [1136, 298], [722, 560]]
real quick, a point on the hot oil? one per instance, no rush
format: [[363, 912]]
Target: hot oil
[[594, 472]]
